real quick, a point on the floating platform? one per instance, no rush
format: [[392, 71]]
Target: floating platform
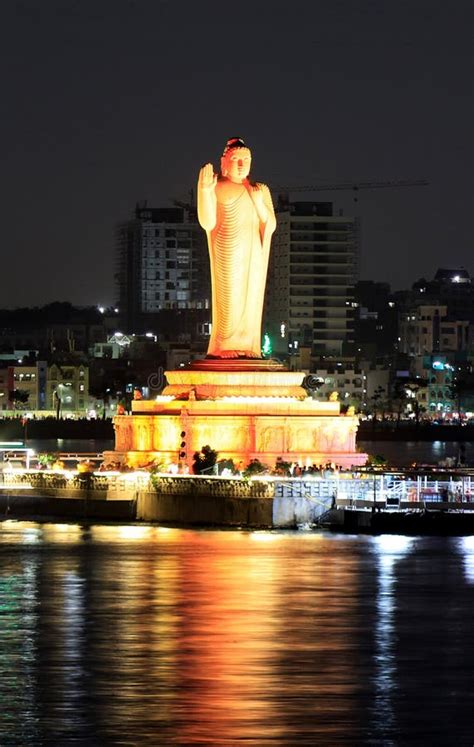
[[441, 519]]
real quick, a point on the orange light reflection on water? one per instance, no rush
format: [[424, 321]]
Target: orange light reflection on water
[[195, 632]]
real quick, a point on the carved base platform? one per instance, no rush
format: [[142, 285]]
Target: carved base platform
[[243, 415], [228, 381], [237, 364]]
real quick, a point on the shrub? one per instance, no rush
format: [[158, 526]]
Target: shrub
[[255, 468], [376, 460], [228, 464], [204, 460], [46, 460], [282, 468]]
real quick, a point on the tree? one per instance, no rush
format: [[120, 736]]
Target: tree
[[405, 393], [377, 400], [18, 396], [281, 467], [226, 464], [256, 467], [204, 461], [462, 389], [399, 398], [376, 460], [101, 392], [412, 388], [57, 399]]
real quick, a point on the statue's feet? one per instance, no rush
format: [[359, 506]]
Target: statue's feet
[[239, 354], [229, 354], [233, 354]]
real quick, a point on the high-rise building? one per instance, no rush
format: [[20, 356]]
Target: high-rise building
[[310, 289], [162, 265]]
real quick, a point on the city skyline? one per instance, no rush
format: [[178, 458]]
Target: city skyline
[[107, 104]]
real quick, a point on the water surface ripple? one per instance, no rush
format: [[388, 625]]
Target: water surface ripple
[[142, 635]]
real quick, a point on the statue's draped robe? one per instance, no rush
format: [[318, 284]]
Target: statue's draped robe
[[239, 249]]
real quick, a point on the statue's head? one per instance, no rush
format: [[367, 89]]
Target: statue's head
[[236, 160]]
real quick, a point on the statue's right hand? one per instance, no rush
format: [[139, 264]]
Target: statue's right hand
[[207, 177]]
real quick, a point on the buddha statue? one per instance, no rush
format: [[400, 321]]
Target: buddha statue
[[238, 217]]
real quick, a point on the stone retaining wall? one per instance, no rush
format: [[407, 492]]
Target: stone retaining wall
[[185, 500], [61, 504]]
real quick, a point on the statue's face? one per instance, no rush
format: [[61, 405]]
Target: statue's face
[[236, 163]]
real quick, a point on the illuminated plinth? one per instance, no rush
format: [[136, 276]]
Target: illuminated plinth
[[263, 414]]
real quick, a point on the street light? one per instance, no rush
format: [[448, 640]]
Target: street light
[[58, 400]]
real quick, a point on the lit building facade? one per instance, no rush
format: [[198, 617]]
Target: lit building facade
[[427, 329], [6, 386], [23, 387], [439, 374], [67, 389], [350, 384], [310, 289]]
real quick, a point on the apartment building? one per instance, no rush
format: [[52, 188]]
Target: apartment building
[[163, 265], [312, 272]]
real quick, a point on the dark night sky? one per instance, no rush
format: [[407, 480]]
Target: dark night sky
[[108, 102]]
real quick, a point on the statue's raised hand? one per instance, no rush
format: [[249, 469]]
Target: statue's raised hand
[[207, 177]]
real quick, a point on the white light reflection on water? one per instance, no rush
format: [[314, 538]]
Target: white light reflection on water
[[72, 652], [28, 626], [19, 611], [150, 635], [466, 547], [32, 535], [264, 536], [390, 549]]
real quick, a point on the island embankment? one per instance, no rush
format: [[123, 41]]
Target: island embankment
[[363, 501], [174, 500]]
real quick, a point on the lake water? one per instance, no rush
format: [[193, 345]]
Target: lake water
[[141, 635], [69, 445], [398, 453], [404, 453]]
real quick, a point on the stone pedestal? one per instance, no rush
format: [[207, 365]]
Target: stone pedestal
[[260, 412]]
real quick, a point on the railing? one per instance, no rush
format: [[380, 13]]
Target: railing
[[26, 457], [353, 490], [112, 485], [393, 489]]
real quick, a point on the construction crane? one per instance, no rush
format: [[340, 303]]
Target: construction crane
[[355, 186]]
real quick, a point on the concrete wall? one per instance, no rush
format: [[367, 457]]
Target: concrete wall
[[229, 503], [186, 501], [205, 510], [292, 511], [58, 504]]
